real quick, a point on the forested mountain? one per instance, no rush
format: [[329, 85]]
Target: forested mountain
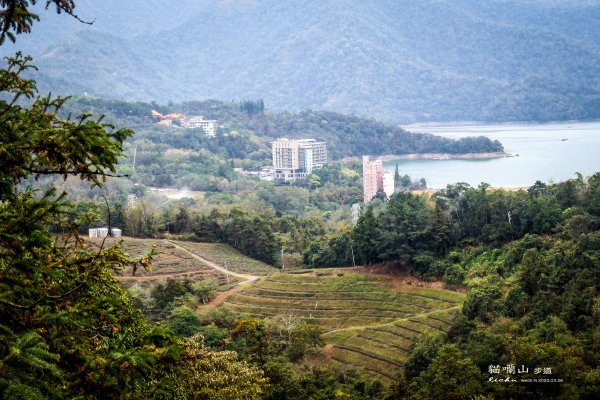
[[399, 61], [244, 134]]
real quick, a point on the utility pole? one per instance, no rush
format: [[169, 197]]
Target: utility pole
[[282, 263], [352, 250], [226, 272], [134, 156]]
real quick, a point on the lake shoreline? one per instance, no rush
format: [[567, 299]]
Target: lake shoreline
[[546, 153], [505, 124], [433, 156], [431, 191]]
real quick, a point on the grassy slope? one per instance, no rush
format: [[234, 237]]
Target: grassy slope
[[220, 254], [369, 322], [174, 263]]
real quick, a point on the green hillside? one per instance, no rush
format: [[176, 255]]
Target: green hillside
[[172, 262], [465, 293], [370, 322], [246, 137]]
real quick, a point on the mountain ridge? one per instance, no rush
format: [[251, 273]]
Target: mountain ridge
[[394, 60]]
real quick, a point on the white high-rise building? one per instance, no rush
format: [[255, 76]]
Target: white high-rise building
[[295, 159], [388, 183]]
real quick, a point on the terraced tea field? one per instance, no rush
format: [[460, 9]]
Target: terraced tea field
[[369, 321], [171, 262]]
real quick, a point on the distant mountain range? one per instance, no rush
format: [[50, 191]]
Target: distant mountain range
[[395, 60]]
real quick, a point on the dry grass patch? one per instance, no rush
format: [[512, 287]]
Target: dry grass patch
[[170, 262], [226, 256]]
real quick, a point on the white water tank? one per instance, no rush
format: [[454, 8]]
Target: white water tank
[[115, 232], [102, 232], [93, 233]]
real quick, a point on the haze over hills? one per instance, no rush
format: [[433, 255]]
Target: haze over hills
[[399, 61]]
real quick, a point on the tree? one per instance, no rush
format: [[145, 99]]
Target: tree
[[314, 181], [16, 17], [329, 251], [205, 290], [194, 372], [287, 333], [219, 375], [252, 235], [404, 181], [182, 220], [380, 194], [68, 329], [484, 302], [404, 227], [253, 331], [424, 351], [184, 321], [142, 220], [537, 189], [252, 107], [440, 229], [54, 292], [450, 376], [364, 237]]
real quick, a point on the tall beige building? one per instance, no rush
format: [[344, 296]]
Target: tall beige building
[[372, 178], [295, 159], [375, 178]]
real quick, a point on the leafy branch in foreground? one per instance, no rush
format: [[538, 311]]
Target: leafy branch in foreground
[[16, 17], [68, 329], [35, 141]]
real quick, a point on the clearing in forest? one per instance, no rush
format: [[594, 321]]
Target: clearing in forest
[[227, 257], [370, 321], [170, 262]]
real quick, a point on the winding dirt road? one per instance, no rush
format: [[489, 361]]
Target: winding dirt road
[[247, 278], [221, 297]]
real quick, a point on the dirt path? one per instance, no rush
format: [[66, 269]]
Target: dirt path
[[213, 265], [221, 297]]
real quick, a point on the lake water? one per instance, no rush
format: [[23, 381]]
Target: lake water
[[543, 154]]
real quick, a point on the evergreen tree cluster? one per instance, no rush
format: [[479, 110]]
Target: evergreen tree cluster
[[252, 235], [252, 107]]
